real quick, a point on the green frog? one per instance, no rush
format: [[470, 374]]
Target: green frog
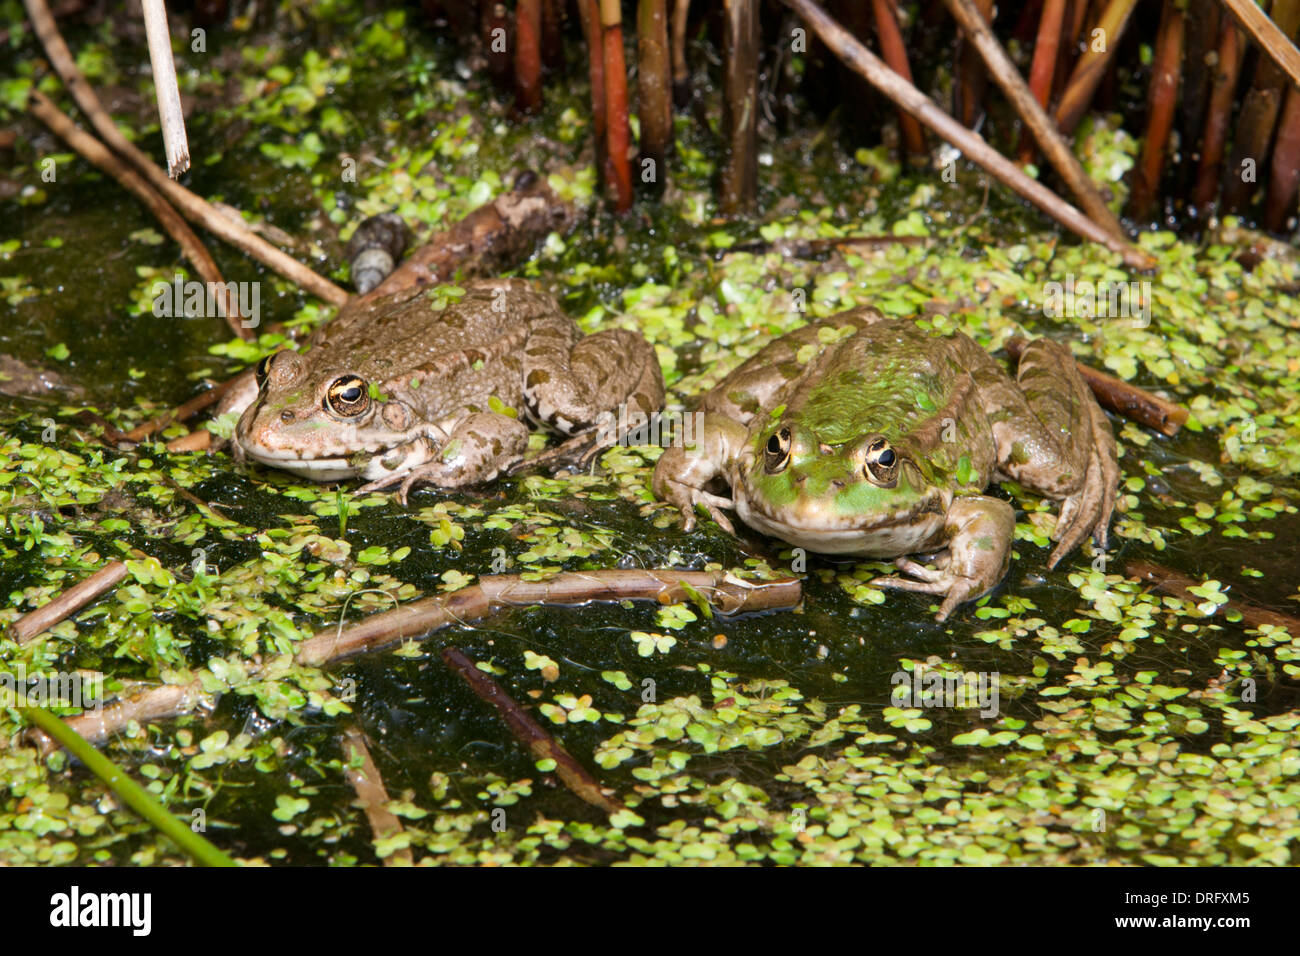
[[862, 435], [435, 386]]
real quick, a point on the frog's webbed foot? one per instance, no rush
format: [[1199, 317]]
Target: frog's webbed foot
[[979, 532], [575, 454], [1089, 509], [685, 498]]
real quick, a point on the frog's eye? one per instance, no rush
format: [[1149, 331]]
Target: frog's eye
[[348, 396], [776, 453], [262, 368], [882, 463]]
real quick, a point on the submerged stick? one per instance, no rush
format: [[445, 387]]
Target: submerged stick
[[94, 152], [865, 63], [1175, 584], [1137, 404], [37, 622], [530, 733], [1035, 117], [740, 38], [367, 783], [727, 595], [1166, 70]]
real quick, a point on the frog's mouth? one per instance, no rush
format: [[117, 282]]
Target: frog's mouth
[[906, 531], [317, 469]]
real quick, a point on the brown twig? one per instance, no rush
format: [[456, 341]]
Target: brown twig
[[1175, 584], [1035, 117], [181, 413], [1218, 116], [94, 152], [1275, 44], [530, 733], [528, 56], [195, 209], [894, 52], [1120, 397], [1092, 66], [654, 92], [368, 783], [727, 595], [1042, 69], [69, 602], [618, 133], [1166, 69], [740, 39], [862, 61]]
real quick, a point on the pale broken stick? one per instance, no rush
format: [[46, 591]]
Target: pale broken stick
[[194, 208], [871, 68], [1136, 404], [530, 733], [366, 781], [1175, 584], [726, 594], [166, 91], [93, 151], [37, 622]]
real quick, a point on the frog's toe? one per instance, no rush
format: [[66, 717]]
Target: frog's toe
[[1088, 512], [954, 588]]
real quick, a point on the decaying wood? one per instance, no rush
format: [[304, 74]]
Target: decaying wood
[[497, 235], [167, 92], [1175, 584], [69, 602], [1120, 397], [530, 733], [367, 783], [865, 63], [94, 152]]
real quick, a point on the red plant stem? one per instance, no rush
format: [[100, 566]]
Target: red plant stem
[[1165, 72], [1218, 116], [654, 91], [528, 56], [589, 14], [971, 75], [1279, 205], [894, 52], [1092, 65], [1043, 68], [618, 135]]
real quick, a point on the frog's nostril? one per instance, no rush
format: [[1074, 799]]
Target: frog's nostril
[[287, 416], [837, 484]]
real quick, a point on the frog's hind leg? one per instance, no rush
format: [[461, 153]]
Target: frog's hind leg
[[1053, 438], [594, 391]]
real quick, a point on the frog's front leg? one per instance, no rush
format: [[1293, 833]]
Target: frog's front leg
[[1053, 438], [684, 472], [477, 449], [979, 531]]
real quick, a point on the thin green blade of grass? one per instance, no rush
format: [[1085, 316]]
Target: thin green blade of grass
[[132, 794]]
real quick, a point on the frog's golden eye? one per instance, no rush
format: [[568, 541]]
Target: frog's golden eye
[[776, 453], [348, 396], [881, 466]]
